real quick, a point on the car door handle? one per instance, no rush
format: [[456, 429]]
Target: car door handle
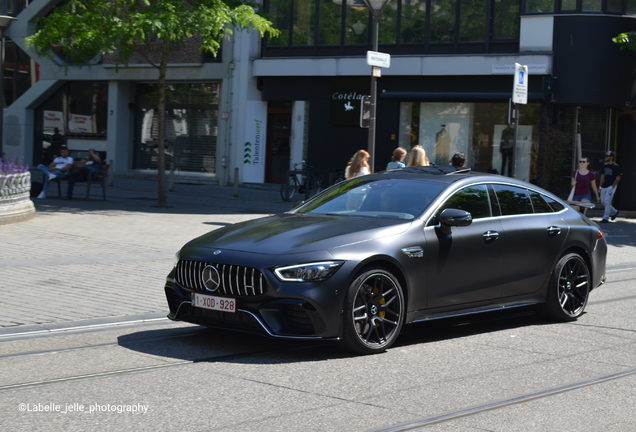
[[552, 231], [491, 235]]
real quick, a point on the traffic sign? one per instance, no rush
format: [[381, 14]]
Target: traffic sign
[[520, 87], [378, 59]]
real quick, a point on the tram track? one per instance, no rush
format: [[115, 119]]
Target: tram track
[[504, 403]]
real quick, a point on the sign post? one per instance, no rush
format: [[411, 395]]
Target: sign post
[[519, 96], [376, 60]]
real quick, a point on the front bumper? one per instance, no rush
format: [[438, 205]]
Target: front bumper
[[286, 309]]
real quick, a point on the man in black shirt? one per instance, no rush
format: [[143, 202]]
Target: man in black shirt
[[609, 181]]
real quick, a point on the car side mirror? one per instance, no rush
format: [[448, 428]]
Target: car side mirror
[[454, 218]]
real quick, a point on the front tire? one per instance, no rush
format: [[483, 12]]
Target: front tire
[[569, 289], [373, 312]]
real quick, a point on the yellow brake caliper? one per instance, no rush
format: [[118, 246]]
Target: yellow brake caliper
[[382, 301]]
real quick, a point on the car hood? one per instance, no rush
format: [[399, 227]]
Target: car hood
[[297, 233]]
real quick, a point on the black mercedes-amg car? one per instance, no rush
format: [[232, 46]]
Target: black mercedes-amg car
[[373, 253]]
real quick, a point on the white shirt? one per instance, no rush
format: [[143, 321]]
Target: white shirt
[[363, 171], [61, 162]]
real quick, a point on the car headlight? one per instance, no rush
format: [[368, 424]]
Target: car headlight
[[310, 272], [176, 258]]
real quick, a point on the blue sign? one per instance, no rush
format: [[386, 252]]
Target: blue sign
[[521, 74]]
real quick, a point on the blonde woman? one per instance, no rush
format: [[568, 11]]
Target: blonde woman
[[358, 165], [417, 157]]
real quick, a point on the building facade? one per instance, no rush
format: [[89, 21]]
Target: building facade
[[268, 103]]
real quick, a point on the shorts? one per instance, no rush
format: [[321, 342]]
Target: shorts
[[580, 198]]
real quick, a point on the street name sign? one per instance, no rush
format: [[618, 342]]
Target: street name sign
[[378, 59]]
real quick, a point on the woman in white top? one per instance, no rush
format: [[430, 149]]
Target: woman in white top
[[358, 165]]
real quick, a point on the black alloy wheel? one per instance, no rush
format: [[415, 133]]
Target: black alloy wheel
[[569, 289], [373, 313]]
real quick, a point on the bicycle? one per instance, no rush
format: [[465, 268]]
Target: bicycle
[[310, 186]]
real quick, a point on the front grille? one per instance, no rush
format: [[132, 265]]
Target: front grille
[[234, 280]]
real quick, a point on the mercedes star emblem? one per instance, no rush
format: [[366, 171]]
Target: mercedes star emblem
[[211, 278]]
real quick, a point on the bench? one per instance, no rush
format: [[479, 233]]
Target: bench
[[99, 178]]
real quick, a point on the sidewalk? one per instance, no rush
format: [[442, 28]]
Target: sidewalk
[[87, 259], [107, 260]]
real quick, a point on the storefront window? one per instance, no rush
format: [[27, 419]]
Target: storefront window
[[568, 5], [592, 6], [304, 19], [539, 6], [387, 22], [20, 73], [279, 11], [356, 32], [472, 22], [506, 23], [413, 27], [330, 21], [480, 130], [443, 20], [614, 6], [631, 7], [191, 127]]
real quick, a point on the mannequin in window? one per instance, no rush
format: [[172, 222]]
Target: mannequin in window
[[507, 140], [442, 146]]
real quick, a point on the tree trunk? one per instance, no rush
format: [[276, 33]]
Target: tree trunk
[[161, 168]]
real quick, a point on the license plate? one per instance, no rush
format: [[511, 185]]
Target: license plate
[[222, 304]]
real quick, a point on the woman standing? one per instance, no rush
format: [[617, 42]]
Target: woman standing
[[358, 165], [583, 180]]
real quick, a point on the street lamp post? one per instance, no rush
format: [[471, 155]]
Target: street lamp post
[[5, 22], [376, 7]]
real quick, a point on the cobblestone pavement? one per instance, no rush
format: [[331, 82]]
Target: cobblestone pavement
[[86, 259], [81, 259]]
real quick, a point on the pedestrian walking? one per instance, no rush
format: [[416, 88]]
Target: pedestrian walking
[[584, 181], [417, 157], [397, 160], [609, 182], [358, 165]]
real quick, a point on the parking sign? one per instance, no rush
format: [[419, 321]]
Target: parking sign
[[520, 88]]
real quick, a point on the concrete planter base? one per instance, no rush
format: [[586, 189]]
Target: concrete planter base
[[15, 200]]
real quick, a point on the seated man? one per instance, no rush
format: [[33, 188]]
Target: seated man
[[92, 167], [59, 168]]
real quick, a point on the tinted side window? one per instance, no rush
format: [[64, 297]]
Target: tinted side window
[[540, 205], [494, 203], [473, 199], [556, 206], [513, 200]]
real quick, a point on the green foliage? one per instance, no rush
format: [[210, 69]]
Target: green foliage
[[86, 28], [626, 41]]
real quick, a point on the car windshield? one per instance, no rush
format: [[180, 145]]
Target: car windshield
[[360, 197]]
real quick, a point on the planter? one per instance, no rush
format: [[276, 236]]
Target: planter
[[15, 200]]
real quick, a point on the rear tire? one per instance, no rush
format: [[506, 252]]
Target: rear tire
[[373, 313], [569, 289], [289, 188]]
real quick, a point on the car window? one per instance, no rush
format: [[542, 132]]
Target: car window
[[513, 200], [494, 202], [390, 198], [539, 203], [556, 206], [473, 199]]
